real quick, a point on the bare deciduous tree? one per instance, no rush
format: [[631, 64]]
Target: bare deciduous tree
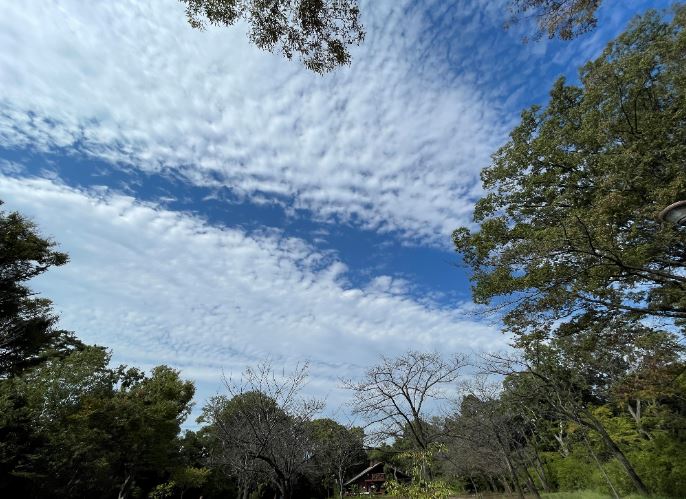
[[488, 426], [393, 395], [264, 427]]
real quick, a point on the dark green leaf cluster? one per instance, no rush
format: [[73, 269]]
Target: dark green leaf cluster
[[318, 31], [265, 438], [27, 324], [75, 427]]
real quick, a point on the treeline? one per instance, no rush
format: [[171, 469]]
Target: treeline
[[602, 408]]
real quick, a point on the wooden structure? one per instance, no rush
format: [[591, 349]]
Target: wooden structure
[[372, 480]]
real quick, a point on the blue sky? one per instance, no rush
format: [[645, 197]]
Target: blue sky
[[222, 205]]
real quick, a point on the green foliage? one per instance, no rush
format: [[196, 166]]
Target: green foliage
[[660, 460], [27, 332], [569, 221], [319, 31], [420, 486], [565, 20], [336, 449], [162, 490], [189, 477], [574, 472], [71, 425], [195, 448], [579, 494], [663, 463], [263, 432], [92, 428], [433, 489], [570, 249]]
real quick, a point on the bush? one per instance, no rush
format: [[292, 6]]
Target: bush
[[574, 472]]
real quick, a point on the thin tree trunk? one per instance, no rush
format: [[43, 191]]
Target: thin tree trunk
[[340, 483], [600, 467], [540, 469], [540, 477], [491, 483], [476, 489], [530, 482], [637, 415], [506, 485], [122, 489], [287, 492], [614, 448], [513, 475]]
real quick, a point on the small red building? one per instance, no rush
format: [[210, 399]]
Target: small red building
[[373, 479]]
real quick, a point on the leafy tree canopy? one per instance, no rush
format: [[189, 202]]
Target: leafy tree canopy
[[73, 426], [565, 19], [569, 222], [318, 31], [27, 324]]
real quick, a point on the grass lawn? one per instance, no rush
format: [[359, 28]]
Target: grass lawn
[[581, 494]]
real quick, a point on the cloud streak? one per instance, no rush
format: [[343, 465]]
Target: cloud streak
[[393, 143], [164, 287]]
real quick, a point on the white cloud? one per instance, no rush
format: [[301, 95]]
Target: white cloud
[[394, 142], [164, 287]]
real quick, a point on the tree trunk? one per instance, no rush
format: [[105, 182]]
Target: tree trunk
[[122, 489], [540, 470], [564, 450], [530, 482], [513, 475], [600, 467], [506, 485], [491, 483], [340, 483], [285, 489], [541, 478], [637, 415], [476, 489], [617, 452]]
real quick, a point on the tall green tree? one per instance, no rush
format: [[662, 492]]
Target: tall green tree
[[27, 324], [569, 220], [71, 425], [92, 431], [144, 422], [337, 449]]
